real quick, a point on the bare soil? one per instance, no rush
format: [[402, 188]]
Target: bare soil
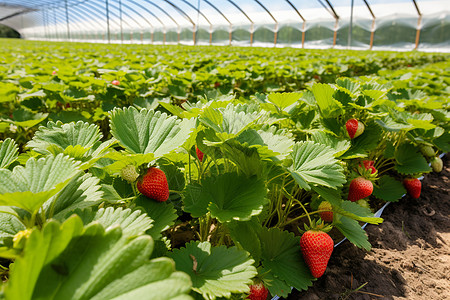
[[410, 258]]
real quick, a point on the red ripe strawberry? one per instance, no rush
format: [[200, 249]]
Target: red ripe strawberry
[[154, 185], [317, 247], [360, 188], [327, 216], [54, 72], [258, 292], [413, 187], [368, 164], [115, 82], [199, 154], [354, 128]]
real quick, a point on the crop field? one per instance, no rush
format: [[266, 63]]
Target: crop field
[[203, 172]]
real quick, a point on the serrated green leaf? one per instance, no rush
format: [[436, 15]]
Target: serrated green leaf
[[71, 262], [355, 211], [246, 235], [283, 100], [8, 152], [388, 189], [314, 164], [30, 186], [131, 222], [73, 138], [329, 107], [9, 225], [340, 146], [163, 214], [81, 192], [26, 118], [228, 196], [147, 131], [353, 232], [281, 254], [215, 271], [409, 160]]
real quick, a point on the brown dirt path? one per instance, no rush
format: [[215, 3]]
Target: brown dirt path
[[410, 258]]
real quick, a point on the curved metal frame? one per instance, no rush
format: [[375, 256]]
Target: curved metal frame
[[220, 12], [185, 15], [251, 21], [195, 27], [167, 14], [419, 22], [275, 20], [303, 19]]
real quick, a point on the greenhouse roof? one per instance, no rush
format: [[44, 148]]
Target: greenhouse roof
[[65, 19]]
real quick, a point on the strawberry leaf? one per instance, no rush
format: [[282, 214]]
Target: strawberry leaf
[[246, 235], [70, 261], [8, 152], [340, 146], [147, 131], [163, 215], [410, 161], [60, 136], [131, 222], [353, 232], [314, 164], [328, 106], [388, 189], [11, 224], [281, 255], [30, 186], [228, 196], [215, 271], [81, 192], [283, 100]]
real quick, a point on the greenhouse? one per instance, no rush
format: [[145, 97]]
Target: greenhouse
[[224, 149], [360, 24]]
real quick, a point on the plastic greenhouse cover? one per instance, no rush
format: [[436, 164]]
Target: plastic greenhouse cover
[[395, 26]]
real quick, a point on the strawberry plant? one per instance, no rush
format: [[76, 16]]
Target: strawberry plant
[[235, 168]]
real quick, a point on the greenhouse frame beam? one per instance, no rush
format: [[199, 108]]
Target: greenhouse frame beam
[[303, 19], [273, 18], [67, 21], [203, 15], [372, 30], [61, 20], [334, 15], [186, 16], [26, 10], [151, 13], [80, 18], [251, 22], [220, 12], [168, 15], [419, 23], [139, 24]]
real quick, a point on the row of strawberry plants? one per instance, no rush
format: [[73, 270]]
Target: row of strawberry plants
[[71, 82], [210, 197]]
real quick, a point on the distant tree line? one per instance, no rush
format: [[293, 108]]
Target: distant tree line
[[8, 32]]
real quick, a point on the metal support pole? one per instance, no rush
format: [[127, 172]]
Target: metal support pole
[[67, 21], [121, 27], [56, 25], [107, 21], [419, 23], [350, 29]]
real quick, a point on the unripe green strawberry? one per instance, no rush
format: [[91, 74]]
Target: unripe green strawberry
[[154, 185], [129, 173], [258, 291], [360, 188], [413, 187], [436, 164], [354, 128], [317, 247], [427, 151], [327, 215]]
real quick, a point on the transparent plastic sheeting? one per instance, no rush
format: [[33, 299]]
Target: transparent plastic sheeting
[[294, 23]]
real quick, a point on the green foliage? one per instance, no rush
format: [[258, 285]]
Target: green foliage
[[69, 261], [215, 271]]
